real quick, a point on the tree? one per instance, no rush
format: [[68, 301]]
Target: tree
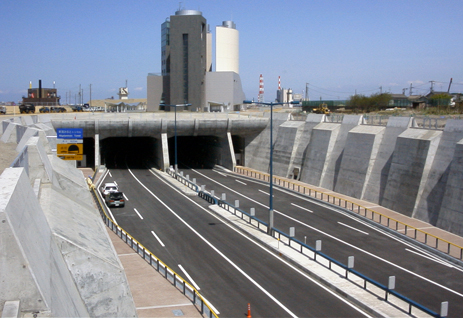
[[366, 104]]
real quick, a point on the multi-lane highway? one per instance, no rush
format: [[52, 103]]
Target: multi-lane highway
[[231, 270], [228, 268]]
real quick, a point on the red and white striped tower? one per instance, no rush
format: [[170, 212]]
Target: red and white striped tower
[[279, 83], [260, 98]]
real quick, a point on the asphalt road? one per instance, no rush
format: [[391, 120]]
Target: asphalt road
[[420, 275], [229, 269]]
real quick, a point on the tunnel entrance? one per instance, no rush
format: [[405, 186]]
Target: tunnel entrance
[[195, 151], [132, 152]]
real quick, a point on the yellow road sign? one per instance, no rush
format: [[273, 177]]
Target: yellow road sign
[[70, 149]]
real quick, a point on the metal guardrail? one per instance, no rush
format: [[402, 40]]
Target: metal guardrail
[[183, 286], [183, 180], [313, 253], [419, 235]]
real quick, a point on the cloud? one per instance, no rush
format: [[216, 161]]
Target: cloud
[[138, 89], [415, 82]]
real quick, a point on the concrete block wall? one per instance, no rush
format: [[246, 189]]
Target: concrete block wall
[[330, 175], [58, 258], [376, 183], [413, 156], [257, 154], [285, 146], [359, 155], [413, 171], [450, 215], [319, 151], [311, 121]]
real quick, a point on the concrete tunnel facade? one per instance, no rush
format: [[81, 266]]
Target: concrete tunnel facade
[[217, 141]]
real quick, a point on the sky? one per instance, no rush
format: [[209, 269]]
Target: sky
[[335, 48]]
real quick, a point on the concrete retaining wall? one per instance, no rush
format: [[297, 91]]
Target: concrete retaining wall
[[56, 257], [409, 170]]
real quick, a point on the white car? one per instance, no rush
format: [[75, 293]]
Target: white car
[[109, 187]]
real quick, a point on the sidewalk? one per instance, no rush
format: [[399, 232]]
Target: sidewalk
[[154, 296]]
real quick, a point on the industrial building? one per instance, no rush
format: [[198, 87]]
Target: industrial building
[[187, 70], [41, 96]]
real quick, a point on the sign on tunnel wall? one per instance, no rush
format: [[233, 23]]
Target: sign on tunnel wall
[[70, 143]]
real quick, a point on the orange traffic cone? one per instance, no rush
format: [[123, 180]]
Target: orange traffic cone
[[249, 310]]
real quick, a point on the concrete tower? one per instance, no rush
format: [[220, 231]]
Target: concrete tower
[[227, 47], [184, 58]]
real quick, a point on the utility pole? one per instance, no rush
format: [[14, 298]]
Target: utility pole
[[411, 87], [432, 85], [90, 102], [403, 90], [380, 90], [306, 91]]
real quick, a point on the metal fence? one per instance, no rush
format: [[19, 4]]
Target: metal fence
[[183, 286], [329, 262], [419, 235]]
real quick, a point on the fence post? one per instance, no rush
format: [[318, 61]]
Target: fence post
[[350, 264]]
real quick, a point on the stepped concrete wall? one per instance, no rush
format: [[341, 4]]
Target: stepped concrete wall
[[450, 216], [359, 155], [257, 154], [56, 257], [311, 121], [410, 170], [413, 156], [285, 145], [331, 170], [429, 205], [319, 152], [376, 183]]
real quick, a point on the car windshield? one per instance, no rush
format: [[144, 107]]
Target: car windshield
[[111, 188]]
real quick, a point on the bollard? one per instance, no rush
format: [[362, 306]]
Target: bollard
[[224, 196], [253, 212], [390, 285], [444, 309], [318, 248], [292, 231], [188, 177], [249, 310], [237, 203], [203, 187], [212, 193], [194, 180], [350, 263]]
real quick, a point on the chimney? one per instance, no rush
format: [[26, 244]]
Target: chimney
[[40, 88]]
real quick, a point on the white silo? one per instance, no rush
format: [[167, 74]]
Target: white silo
[[227, 48]]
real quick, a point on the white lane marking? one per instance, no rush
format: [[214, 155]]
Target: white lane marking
[[189, 277], [115, 183], [300, 207], [125, 197], [112, 216], [220, 173], [110, 174], [265, 193], [353, 228], [254, 242], [157, 238], [213, 247], [432, 258], [339, 240], [138, 213], [241, 182]]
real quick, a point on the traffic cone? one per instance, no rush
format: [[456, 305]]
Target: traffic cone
[[249, 310]]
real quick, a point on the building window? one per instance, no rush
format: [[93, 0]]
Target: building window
[[185, 67]]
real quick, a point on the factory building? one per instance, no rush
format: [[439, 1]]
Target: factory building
[[187, 69]]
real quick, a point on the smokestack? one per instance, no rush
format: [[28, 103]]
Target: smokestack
[[40, 88]]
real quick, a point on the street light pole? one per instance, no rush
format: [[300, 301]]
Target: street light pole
[[175, 163], [270, 210], [270, 206], [175, 130]]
